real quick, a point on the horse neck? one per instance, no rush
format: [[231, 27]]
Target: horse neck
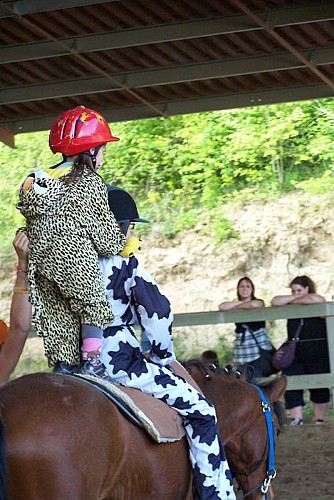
[[233, 400]]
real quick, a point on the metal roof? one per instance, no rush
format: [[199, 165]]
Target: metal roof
[[132, 59]]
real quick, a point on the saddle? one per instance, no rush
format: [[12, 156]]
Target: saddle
[[162, 423]]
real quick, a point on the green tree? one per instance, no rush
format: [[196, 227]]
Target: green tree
[[185, 168]]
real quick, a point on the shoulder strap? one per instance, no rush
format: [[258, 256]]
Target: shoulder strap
[[297, 334], [252, 334]]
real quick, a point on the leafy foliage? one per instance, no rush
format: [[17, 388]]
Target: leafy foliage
[[183, 170]]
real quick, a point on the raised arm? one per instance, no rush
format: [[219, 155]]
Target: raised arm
[[239, 304], [226, 306], [310, 298], [282, 300], [20, 312]]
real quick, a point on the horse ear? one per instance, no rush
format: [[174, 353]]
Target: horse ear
[[275, 389]]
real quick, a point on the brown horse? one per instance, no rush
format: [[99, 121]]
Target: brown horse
[[241, 421], [65, 440]]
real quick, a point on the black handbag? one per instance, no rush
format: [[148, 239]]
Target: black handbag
[[266, 356], [285, 354]]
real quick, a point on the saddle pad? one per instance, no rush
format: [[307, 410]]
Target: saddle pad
[[160, 421], [182, 372]]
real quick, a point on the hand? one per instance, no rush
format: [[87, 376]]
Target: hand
[[21, 246]]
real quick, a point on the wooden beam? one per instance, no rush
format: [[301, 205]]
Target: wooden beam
[[7, 137], [325, 309], [296, 382]]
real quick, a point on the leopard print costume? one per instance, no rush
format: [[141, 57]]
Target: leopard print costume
[[68, 226]]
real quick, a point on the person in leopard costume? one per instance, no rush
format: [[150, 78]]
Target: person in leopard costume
[[69, 224]]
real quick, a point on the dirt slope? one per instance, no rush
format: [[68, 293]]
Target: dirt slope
[[277, 241]]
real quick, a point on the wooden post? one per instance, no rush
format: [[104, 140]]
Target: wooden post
[[7, 137]]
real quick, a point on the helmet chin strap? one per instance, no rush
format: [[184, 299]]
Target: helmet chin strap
[[125, 227], [92, 157]]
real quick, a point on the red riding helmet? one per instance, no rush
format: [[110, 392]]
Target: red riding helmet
[[78, 130]]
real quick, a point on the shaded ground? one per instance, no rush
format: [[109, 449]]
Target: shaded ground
[[305, 463]]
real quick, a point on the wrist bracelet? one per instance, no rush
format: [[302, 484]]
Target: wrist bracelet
[[18, 289], [20, 270]]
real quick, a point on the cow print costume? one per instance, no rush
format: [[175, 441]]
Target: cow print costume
[[135, 298]]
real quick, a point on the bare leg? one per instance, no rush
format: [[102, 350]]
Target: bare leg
[[320, 410], [296, 412]]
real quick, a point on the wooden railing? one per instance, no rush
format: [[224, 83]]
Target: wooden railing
[[325, 310]]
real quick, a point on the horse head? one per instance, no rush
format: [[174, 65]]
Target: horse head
[[241, 420]]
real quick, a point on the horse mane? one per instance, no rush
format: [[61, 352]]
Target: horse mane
[[206, 368], [234, 376]]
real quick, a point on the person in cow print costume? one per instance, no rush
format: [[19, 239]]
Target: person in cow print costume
[[135, 298]]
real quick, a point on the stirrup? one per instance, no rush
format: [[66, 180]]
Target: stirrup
[[93, 367], [64, 368]]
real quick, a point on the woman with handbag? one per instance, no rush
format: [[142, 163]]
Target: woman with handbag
[[252, 343], [311, 355]]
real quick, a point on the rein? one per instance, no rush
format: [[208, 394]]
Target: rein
[[270, 443], [266, 408]]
